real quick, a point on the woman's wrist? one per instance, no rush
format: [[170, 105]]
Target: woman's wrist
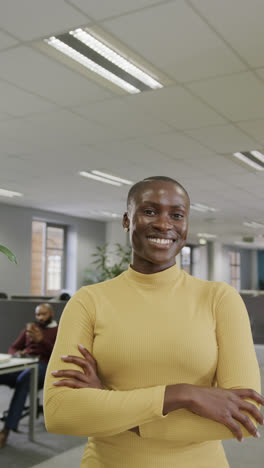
[[175, 397]]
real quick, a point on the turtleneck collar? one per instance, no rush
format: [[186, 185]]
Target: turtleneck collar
[[161, 278]]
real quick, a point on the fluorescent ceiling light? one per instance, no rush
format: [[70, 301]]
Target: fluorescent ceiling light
[[112, 215], [93, 53], [206, 235], [202, 241], [108, 176], [88, 63], [104, 213], [115, 58], [9, 193], [203, 208], [100, 179], [258, 155], [248, 161], [253, 224]]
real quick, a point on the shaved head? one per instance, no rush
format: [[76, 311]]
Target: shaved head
[[142, 183], [46, 306], [44, 314]]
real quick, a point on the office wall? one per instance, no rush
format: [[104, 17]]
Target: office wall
[[15, 233]]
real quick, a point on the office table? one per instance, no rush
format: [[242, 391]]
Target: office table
[[20, 364]]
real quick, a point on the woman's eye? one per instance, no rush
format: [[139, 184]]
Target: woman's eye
[[149, 212], [177, 215]]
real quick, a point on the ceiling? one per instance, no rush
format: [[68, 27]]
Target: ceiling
[[56, 120]]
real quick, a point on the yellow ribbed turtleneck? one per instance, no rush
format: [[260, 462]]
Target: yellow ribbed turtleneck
[[147, 331]]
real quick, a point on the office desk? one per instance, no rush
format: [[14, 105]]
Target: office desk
[[20, 364]]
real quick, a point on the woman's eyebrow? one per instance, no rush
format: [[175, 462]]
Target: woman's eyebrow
[[149, 202]]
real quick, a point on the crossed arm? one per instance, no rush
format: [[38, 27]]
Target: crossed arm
[[94, 410]]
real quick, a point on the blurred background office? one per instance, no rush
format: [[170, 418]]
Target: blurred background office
[[78, 126]]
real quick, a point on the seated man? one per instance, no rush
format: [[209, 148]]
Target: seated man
[[37, 339]]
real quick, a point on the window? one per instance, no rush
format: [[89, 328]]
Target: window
[[234, 266], [186, 259], [48, 258]]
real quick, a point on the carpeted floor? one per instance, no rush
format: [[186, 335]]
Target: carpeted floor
[[57, 451], [19, 452]]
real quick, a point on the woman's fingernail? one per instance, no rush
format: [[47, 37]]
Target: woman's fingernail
[[258, 434], [81, 346], [56, 383], [54, 372], [63, 357], [242, 440]]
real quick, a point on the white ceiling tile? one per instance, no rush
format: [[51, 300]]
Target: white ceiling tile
[[237, 97], [104, 8], [178, 107], [223, 139], [222, 166], [4, 116], [260, 73], [123, 116], [176, 146], [132, 136], [255, 128], [32, 19], [240, 23], [246, 180], [187, 49], [128, 152], [53, 130], [6, 40], [49, 79], [20, 103]]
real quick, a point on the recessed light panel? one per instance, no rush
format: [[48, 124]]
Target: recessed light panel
[[91, 52], [111, 177], [98, 178], [251, 158], [9, 193], [201, 207]]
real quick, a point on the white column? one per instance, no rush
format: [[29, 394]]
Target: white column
[[218, 267], [200, 262]]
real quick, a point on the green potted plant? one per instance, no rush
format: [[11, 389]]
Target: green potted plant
[[8, 253], [104, 267]]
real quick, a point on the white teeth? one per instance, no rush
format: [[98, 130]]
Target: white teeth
[[160, 241]]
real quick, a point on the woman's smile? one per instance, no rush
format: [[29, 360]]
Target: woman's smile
[[160, 242]]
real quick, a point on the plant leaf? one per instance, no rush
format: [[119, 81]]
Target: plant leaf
[[8, 253]]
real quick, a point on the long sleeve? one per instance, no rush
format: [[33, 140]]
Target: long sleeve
[[90, 411], [19, 344], [49, 339], [237, 367]]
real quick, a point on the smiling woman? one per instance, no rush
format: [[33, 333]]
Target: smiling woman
[[155, 366], [157, 219]]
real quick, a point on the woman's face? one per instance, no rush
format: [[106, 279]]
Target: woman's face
[[158, 225]]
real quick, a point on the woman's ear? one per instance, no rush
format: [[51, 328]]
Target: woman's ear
[[125, 222]]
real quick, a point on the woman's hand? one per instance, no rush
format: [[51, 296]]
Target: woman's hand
[[78, 379], [224, 405]]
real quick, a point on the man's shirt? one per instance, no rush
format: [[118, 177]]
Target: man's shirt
[[42, 349]]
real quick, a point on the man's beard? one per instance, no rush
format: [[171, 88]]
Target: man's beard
[[45, 324]]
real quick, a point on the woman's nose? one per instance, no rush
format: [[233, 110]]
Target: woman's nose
[[163, 222]]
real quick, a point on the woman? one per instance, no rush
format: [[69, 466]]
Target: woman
[[167, 367]]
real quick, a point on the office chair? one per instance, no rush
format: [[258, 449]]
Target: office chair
[[25, 412]]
